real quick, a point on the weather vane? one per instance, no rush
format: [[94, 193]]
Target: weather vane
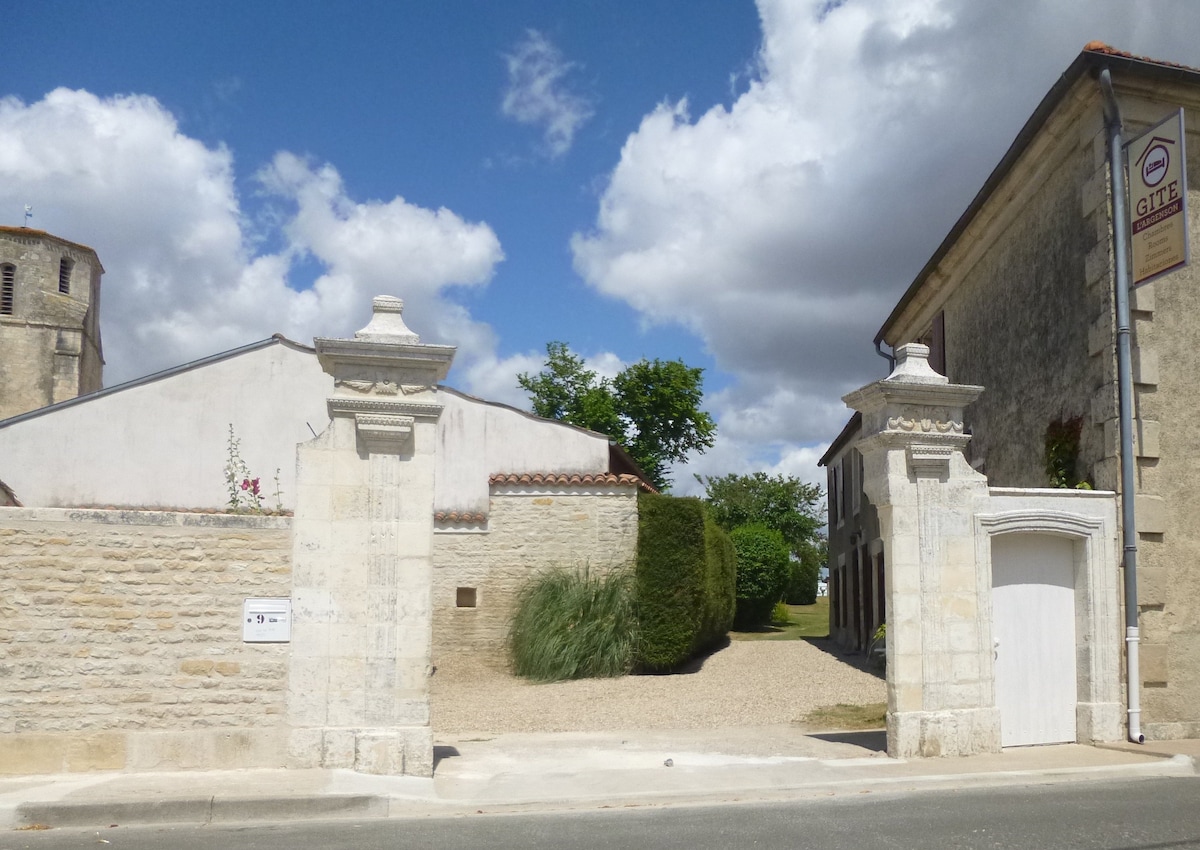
[[28, 214]]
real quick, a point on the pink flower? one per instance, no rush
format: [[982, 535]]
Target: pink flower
[[254, 486], [245, 483]]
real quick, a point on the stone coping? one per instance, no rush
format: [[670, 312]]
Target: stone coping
[[151, 517], [1063, 492]]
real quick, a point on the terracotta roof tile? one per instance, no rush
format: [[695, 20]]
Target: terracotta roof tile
[[456, 517], [1109, 50], [553, 479]]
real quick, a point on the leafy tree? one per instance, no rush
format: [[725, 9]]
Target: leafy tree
[[651, 407], [790, 506]]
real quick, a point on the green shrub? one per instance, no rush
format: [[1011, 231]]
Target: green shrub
[[670, 579], [780, 615], [802, 583], [762, 573], [720, 585], [572, 625]]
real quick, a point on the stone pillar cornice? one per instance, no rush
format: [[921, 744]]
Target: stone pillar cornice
[[914, 405], [332, 353], [882, 394]]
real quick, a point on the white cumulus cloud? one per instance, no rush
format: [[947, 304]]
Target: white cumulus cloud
[[183, 276], [782, 228], [538, 95]]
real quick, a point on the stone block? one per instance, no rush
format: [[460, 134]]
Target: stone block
[[1094, 193], [1152, 585], [1096, 264], [418, 751], [1100, 336], [1141, 298], [1151, 514], [379, 752], [936, 734], [1095, 721], [1146, 438], [34, 753], [349, 503], [1153, 664], [1104, 404], [338, 748], [965, 667], [905, 692], [305, 748], [1145, 366]]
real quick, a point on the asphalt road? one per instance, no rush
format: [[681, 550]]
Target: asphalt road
[[1140, 814]]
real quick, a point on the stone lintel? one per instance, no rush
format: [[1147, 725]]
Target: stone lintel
[[928, 461], [415, 410], [384, 431]]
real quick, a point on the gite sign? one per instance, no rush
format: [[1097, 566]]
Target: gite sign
[[1158, 199]]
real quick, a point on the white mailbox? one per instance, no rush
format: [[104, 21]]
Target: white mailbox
[[267, 620]]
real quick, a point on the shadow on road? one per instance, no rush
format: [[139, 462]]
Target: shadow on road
[[442, 751], [870, 739]]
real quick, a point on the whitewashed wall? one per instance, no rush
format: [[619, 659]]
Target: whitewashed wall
[[162, 443]]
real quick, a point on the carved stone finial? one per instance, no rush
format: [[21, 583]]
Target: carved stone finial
[[387, 323], [912, 366]]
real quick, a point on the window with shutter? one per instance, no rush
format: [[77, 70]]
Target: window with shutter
[[65, 265], [8, 282]]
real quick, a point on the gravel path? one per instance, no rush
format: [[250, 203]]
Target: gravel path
[[748, 683]]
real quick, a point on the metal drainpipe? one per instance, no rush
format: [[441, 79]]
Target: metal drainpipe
[[888, 357], [1112, 124]]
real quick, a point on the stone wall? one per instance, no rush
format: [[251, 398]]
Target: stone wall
[[121, 643], [528, 530]]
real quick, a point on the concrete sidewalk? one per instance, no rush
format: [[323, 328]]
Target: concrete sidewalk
[[480, 773]]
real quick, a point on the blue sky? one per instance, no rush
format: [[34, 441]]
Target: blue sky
[[748, 187]]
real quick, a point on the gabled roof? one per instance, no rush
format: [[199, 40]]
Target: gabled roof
[[848, 432], [619, 460], [1095, 57], [277, 339]]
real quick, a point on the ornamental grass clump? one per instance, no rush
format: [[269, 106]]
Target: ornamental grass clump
[[571, 625]]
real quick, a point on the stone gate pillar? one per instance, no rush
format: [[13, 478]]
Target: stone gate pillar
[[939, 667], [358, 692]]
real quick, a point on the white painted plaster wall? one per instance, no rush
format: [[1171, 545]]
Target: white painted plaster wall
[[162, 444], [477, 439]]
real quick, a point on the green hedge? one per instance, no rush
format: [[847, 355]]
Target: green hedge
[[720, 584], [684, 581], [763, 566]]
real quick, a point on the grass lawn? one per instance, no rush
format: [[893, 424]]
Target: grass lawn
[[849, 717], [804, 621]]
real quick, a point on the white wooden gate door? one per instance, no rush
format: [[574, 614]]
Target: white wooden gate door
[[1033, 624]]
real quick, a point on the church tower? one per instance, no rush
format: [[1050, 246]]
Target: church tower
[[49, 320]]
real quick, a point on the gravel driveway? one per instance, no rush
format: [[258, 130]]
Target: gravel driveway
[[748, 683]]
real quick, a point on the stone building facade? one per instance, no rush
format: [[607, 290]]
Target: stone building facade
[[49, 320], [857, 566], [1019, 299]]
